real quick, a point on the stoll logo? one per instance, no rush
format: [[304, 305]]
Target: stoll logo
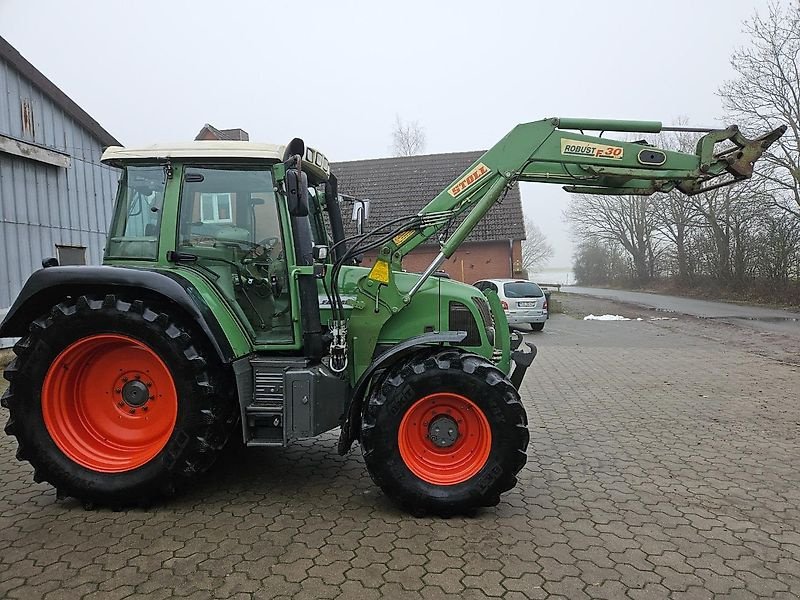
[[462, 184], [580, 148]]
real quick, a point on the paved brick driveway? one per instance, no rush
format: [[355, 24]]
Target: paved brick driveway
[[662, 464]]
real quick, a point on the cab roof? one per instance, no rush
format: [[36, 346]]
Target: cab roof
[[313, 161]]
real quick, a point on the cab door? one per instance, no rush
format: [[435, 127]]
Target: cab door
[[232, 221]]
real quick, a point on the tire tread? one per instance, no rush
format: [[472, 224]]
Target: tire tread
[[210, 424], [447, 360]]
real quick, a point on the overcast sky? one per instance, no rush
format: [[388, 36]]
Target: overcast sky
[[337, 73]]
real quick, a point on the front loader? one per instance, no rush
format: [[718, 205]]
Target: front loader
[[230, 303]]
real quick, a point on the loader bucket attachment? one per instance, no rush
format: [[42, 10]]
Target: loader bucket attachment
[[738, 160], [742, 162]]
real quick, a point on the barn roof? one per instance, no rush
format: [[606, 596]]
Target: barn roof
[[37, 78]]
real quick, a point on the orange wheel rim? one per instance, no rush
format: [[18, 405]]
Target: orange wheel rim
[[109, 403], [444, 439]]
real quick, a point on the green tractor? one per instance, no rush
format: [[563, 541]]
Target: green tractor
[[231, 303]]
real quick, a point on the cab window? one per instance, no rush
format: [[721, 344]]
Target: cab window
[[134, 230]]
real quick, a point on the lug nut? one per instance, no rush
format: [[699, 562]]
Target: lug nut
[[125, 379], [118, 390], [132, 411]]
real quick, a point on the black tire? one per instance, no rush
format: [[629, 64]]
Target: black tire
[[206, 410], [537, 326], [451, 371]]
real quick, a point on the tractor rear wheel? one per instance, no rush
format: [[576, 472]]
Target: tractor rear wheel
[[444, 433], [113, 401]]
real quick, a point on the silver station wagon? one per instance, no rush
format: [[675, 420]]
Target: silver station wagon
[[523, 301]]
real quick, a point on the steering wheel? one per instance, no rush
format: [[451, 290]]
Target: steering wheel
[[263, 247]]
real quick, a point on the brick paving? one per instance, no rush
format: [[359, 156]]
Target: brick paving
[[662, 464]]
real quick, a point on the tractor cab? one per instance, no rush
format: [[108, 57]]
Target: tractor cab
[[220, 208]]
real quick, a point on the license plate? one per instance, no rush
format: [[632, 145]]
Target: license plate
[[526, 304]]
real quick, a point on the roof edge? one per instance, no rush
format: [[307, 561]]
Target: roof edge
[[21, 64], [385, 158]]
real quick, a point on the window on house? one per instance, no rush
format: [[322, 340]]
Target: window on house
[[71, 255], [215, 208]]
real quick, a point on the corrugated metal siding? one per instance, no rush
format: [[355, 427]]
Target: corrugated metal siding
[[43, 205]]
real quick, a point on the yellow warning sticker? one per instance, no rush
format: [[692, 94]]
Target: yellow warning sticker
[[380, 271], [402, 237]]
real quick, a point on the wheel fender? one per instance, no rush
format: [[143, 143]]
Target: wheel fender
[[47, 286], [352, 414]]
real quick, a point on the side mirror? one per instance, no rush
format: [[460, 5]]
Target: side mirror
[[320, 253], [297, 192], [360, 213]]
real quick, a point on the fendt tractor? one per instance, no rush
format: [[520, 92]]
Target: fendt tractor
[[232, 302]]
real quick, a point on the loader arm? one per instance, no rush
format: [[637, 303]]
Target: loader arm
[[557, 151], [548, 151]]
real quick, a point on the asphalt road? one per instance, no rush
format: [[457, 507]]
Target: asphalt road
[[756, 317]]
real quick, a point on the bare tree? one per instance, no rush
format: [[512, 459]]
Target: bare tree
[[627, 220], [675, 212], [777, 251], [597, 262], [766, 94], [536, 250], [408, 139], [728, 220]]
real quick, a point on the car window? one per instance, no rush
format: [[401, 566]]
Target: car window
[[522, 289]]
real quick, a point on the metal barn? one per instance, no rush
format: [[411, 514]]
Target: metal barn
[[55, 195]]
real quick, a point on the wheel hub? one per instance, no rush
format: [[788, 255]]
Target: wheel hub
[[135, 393], [444, 438], [443, 431]]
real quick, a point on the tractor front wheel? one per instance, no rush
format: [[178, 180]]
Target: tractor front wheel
[[445, 433], [113, 401]]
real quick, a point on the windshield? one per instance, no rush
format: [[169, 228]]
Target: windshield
[[522, 289], [134, 231]]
